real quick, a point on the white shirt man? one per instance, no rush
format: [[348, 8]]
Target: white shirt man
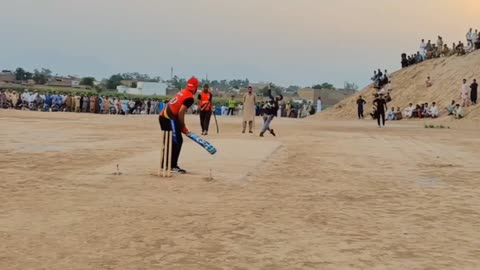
[[319, 105], [469, 36], [434, 110], [408, 112], [423, 49]]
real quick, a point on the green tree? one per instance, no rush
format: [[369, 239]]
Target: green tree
[[20, 74], [28, 76], [88, 81], [323, 86], [39, 77], [114, 81]]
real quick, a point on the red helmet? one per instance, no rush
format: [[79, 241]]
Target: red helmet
[[192, 85]]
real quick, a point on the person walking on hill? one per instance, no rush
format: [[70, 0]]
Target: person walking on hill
[[473, 92], [249, 103], [360, 103], [464, 93], [205, 107], [381, 107]]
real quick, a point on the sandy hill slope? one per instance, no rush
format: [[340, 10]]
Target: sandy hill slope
[[409, 86]]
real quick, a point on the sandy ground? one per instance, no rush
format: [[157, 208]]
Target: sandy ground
[[322, 195]]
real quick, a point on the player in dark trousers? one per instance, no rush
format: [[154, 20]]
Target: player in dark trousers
[[172, 118], [360, 103], [270, 110], [205, 106], [381, 105]]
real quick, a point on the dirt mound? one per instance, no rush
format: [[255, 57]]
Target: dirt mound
[[408, 85]]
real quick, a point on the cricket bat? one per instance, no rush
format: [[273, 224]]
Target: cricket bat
[[210, 148]]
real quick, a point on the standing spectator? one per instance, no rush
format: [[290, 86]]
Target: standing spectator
[[92, 104], [473, 92], [469, 37], [360, 103], [106, 105], [249, 101], [231, 105], [319, 105], [464, 93], [423, 49], [78, 103]]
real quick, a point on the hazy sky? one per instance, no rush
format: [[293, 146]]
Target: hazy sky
[[285, 41]]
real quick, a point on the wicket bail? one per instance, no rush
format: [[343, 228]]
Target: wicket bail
[[165, 169]]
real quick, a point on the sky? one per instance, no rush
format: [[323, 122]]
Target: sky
[[288, 42]]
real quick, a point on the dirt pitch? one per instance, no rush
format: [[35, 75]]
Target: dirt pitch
[[322, 195]]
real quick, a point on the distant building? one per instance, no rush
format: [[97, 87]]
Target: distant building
[[144, 88], [65, 82], [7, 77], [329, 96]]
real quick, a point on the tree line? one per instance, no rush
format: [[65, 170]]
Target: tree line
[[42, 76]]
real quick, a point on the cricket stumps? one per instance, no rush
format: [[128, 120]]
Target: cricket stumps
[[165, 169]]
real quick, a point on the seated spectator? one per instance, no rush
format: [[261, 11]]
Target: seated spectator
[[408, 112], [460, 49], [451, 108], [418, 57], [434, 113], [391, 114], [398, 114], [458, 112], [426, 110], [417, 112], [388, 98], [453, 51], [445, 51], [428, 82]]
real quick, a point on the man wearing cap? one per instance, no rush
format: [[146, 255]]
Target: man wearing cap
[[172, 118], [249, 103]]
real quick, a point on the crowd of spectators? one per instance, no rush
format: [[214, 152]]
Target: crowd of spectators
[[429, 50]]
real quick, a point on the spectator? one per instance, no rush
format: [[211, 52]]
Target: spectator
[[398, 114], [469, 37], [458, 112], [460, 49], [360, 103], [445, 51], [464, 93], [423, 49], [434, 113], [473, 92], [428, 82], [439, 45], [391, 114], [408, 112], [451, 108]]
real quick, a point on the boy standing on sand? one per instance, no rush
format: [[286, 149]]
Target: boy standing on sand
[[360, 103]]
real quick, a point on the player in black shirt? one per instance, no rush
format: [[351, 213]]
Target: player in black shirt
[[381, 105]]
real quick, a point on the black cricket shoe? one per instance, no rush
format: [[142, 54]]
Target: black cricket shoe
[[178, 170], [273, 133]]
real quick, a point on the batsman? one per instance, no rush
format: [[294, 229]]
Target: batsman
[[172, 118]]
